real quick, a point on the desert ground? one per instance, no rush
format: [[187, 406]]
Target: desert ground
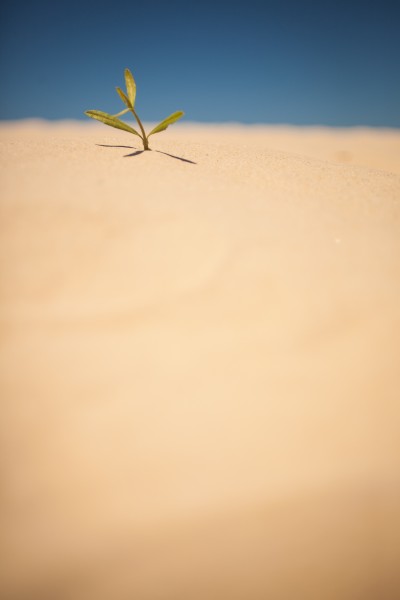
[[200, 363]]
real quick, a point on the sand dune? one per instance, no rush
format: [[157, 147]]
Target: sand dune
[[200, 363]]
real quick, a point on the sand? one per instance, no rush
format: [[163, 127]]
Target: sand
[[200, 363]]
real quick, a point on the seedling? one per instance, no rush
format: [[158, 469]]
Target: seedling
[[129, 100]]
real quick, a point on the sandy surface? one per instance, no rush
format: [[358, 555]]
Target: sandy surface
[[200, 363]]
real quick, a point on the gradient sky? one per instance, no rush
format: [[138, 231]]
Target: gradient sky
[[298, 62]]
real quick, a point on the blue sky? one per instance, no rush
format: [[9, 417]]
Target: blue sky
[[298, 62]]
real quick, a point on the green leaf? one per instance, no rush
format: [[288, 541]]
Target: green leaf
[[130, 86], [124, 98], [123, 112], [110, 120], [168, 121]]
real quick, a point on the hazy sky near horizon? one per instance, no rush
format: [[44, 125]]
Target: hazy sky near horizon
[[256, 61]]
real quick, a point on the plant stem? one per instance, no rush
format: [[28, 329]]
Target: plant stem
[[145, 140]]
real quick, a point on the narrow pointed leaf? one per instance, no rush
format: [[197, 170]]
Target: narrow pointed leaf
[[123, 112], [168, 121], [110, 120], [130, 86], [124, 98]]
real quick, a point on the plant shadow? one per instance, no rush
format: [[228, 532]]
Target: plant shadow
[[177, 157], [134, 153], [137, 151]]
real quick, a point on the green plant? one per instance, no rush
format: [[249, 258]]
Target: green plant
[[129, 100]]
